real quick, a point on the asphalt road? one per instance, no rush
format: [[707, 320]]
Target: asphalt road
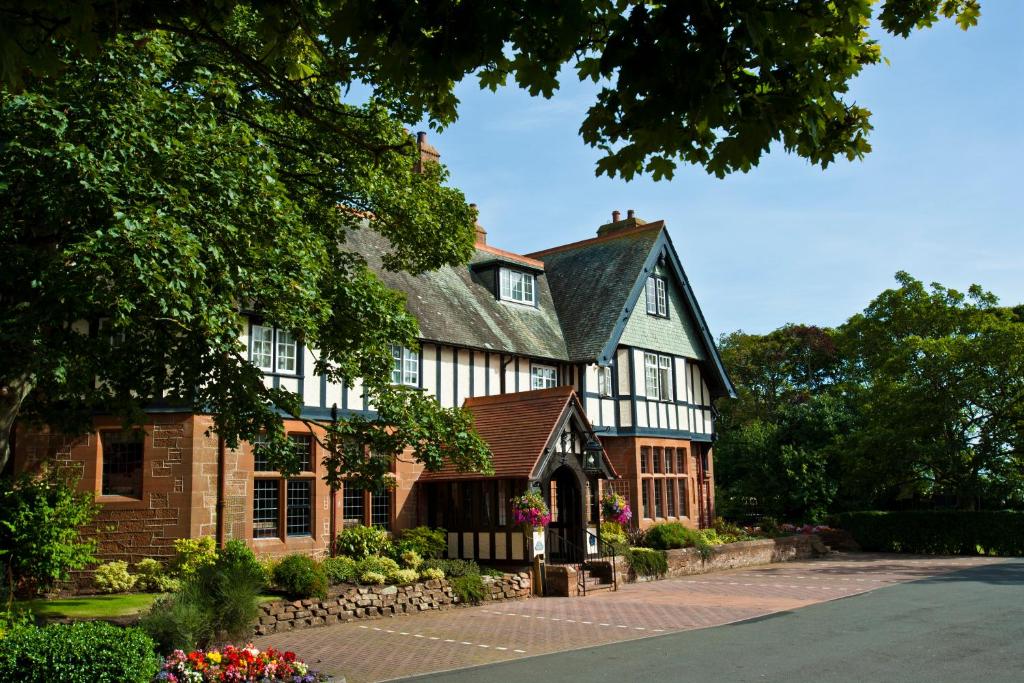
[[963, 626]]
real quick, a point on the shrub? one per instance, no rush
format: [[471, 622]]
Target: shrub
[[358, 542], [85, 652], [452, 568], [428, 543], [770, 527], [113, 577], [670, 535], [727, 532], [180, 621], [41, 518], [431, 573], [403, 577], [193, 553], [300, 577], [492, 572], [377, 565], [647, 562], [373, 578], [939, 532], [614, 535], [411, 559], [339, 570], [468, 588], [151, 577]]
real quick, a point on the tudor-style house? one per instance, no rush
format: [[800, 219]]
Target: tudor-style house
[[586, 366]]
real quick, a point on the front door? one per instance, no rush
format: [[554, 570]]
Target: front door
[[565, 532]]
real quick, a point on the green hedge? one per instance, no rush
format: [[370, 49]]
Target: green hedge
[[647, 562], [936, 532], [86, 652]]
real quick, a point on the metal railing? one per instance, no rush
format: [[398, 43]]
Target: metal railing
[[604, 552]]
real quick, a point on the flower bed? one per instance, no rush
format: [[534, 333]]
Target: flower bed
[[236, 664]]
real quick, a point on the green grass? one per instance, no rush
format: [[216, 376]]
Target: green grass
[[98, 606]]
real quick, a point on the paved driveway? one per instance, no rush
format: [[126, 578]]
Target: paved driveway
[[406, 645]]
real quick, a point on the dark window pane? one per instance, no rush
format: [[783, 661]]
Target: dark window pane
[[680, 455], [259, 456], [645, 454], [264, 508], [380, 509], [302, 445], [659, 511], [644, 497], [122, 463], [299, 513], [353, 508], [657, 460], [671, 498]]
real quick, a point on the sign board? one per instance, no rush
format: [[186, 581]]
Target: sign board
[[592, 541], [538, 543]]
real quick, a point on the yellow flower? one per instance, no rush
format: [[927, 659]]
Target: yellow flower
[[213, 657]]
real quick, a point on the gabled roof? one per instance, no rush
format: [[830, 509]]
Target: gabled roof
[[518, 428], [454, 305], [597, 284]]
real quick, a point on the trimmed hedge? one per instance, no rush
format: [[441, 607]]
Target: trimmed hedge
[[936, 532], [86, 652], [647, 562]]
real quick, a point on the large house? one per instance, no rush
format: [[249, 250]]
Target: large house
[[587, 365]]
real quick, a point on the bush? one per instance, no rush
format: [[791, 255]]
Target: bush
[[936, 532], [670, 535], [613, 534], [358, 542], [193, 553], [468, 588], [373, 578], [404, 577], [431, 573], [452, 568], [151, 577], [300, 577], [41, 518], [492, 572], [339, 570], [411, 559], [180, 621], [85, 652], [647, 562], [377, 565], [428, 543], [113, 577]]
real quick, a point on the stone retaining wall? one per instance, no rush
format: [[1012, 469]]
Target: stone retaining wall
[[348, 603]]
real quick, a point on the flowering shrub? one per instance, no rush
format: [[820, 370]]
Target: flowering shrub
[[805, 529], [113, 577], [236, 664], [530, 510], [432, 573], [614, 508]]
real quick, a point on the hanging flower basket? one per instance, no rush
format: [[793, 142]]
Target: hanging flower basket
[[530, 510], [614, 508]]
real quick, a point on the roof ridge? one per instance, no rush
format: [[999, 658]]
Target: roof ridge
[[653, 225], [516, 257], [565, 390]]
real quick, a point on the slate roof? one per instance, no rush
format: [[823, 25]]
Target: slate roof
[[453, 306], [592, 280]]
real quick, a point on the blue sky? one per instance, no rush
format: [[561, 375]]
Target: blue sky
[[940, 196]]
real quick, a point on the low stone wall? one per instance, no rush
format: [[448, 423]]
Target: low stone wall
[[348, 603], [687, 561]]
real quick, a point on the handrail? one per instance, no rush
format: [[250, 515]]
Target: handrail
[[565, 544], [605, 551]]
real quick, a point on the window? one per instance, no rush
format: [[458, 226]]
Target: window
[[543, 377], [122, 463], [405, 368], [264, 508], [658, 377], [657, 297], [645, 454], [671, 497], [604, 381], [518, 286], [668, 461], [272, 349], [680, 457], [353, 506], [659, 511], [301, 444], [658, 458], [299, 513], [502, 502], [644, 502], [380, 509]]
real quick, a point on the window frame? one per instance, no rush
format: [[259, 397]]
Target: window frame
[[278, 338], [547, 381], [109, 438], [604, 381], [511, 279], [659, 379], [281, 485], [408, 369], [657, 296]]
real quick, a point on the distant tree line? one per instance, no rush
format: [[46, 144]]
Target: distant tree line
[[915, 403]]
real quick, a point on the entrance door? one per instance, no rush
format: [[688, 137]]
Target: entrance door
[[565, 532]]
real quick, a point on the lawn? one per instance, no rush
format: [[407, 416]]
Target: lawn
[[98, 606]]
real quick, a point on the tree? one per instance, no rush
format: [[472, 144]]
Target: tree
[[40, 520], [153, 193], [689, 81], [938, 377]]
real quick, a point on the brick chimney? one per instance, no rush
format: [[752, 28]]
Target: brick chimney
[[618, 223], [427, 153], [481, 234]]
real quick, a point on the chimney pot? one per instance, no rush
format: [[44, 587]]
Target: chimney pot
[[615, 216], [630, 213], [421, 137]]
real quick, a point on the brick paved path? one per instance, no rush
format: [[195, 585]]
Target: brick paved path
[[388, 648]]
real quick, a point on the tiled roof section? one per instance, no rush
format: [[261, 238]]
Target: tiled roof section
[[454, 306], [516, 258], [516, 427], [591, 281]]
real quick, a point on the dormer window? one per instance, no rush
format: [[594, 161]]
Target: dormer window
[[518, 286], [657, 297]]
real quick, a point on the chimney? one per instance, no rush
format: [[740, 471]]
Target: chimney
[[426, 152], [481, 234], [617, 224]]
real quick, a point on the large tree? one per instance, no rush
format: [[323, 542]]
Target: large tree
[[707, 82], [153, 193]]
